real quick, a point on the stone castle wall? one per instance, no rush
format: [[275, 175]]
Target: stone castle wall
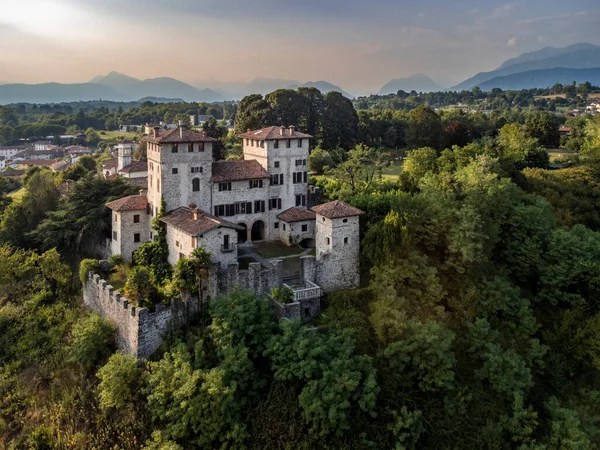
[[139, 331]]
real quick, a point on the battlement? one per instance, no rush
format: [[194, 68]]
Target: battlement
[[258, 278], [139, 330]]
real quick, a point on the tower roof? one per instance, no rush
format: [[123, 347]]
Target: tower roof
[[275, 132], [296, 215], [130, 203], [337, 209], [178, 135]]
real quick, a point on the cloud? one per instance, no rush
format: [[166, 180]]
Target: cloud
[[512, 42]]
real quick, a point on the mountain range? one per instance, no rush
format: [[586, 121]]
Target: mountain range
[[538, 69], [578, 56], [418, 82]]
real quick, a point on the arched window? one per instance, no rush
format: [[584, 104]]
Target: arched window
[[196, 184]]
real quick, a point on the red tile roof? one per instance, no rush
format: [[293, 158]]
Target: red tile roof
[[274, 133], [238, 170], [337, 209], [183, 219], [78, 149], [131, 203], [135, 166], [296, 215], [36, 162], [175, 136], [110, 163]]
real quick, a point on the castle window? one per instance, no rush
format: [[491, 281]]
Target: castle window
[[196, 184], [288, 143], [262, 144], [299, 142], [276, 225], [226, 186], [345, 240], [305, 177], [274, 179], [150, 180], [247, 141], [158, 185], [259, 206], [116, 217], [256, 184], [274, 203], [174, 171], [300, 200], [136, 237], [114, 235], [177, 244], [276, 144], [174, 149], [276, 163], [136, 218], [280, 178], [190, 148], [196, 170], [303, 162], [201, 146], [328, 241], [284, 227], [298, 162], [304, 228], [298, 176], [345, 220]]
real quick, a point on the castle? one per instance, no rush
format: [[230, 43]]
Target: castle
[[226, 206]]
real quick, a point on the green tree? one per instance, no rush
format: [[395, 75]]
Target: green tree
[[339, 124], [119, 381], [93, 339], [424, 128], [92, 137], [319, 160]]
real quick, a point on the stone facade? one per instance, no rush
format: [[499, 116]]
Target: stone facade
[[181, 244], [139, 331], [130, 229], [337, 251], [296, 232]]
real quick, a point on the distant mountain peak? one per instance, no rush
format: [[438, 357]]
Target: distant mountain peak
[[417, 82]]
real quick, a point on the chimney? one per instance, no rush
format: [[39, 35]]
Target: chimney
[[155, 132], [281, 131], [292, 128], [204, 134], [181, 128], [142, 192], [196, 213]]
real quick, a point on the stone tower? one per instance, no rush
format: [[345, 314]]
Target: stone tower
[[179, 168], [337, 246], [123, 154]]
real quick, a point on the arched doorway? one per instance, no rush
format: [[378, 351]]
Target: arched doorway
[[307, 243], [242, 234], [258, 231]]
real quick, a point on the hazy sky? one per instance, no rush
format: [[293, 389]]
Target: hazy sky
[[357, 44]]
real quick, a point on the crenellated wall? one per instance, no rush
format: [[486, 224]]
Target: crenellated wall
[[258, 278], [139, 330]]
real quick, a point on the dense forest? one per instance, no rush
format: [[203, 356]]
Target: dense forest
[[477, 325]]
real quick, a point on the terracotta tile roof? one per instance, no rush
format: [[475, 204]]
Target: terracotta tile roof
[[60, 165], [110, 163], [135, 166], [36, 162], [238, 170], [274, 133], [12, 173], [78, 149], [336, 209], [175, 136], [131, 203], [183, 219], [138, 181], [296, 215]]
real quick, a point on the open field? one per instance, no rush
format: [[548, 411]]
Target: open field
[[392, 172], [553, 96], [117, 135], [559, 153]]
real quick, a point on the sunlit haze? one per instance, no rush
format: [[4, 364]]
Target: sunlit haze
[[355, 44]]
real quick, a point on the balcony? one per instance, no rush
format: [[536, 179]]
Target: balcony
[[310, 290], [229, 248]]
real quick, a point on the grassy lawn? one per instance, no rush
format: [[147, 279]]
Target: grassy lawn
[[392, 172], [276, 250], [245, 261], [117, 135], [555, 154], [17, 195]]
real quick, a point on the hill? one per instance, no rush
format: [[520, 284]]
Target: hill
[[165, 87], [418, 82], [56, 93], [542, 78], [579, 56]]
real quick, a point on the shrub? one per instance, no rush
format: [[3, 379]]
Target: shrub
[[93, 339], [119, 379], [85, 267], [282, 294]]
